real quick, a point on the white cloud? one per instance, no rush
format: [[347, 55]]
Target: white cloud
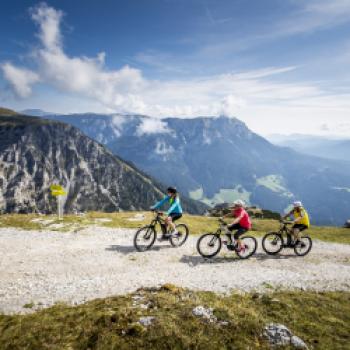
[[256, 96], [315, 15], [126, 90], [84, 76], [152, 126], [118, 120], [163, 149], [231, 105], [20, 79], [49, 20]]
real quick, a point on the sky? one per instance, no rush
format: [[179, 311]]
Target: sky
[[281, 66]]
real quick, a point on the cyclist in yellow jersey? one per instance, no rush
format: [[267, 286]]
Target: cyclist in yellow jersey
[[300, 219]]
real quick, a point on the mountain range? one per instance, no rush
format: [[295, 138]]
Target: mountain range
[[36, 153], [331, 148], [215, 160]]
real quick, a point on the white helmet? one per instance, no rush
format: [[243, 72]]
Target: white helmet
[[297, 204], [238, 203]]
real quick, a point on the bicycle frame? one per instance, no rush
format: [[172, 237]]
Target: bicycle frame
[[287, 238], [222, 229], [159, 220]]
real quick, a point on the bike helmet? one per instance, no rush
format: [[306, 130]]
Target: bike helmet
[[172, 190], [297, 204], [238, 203]]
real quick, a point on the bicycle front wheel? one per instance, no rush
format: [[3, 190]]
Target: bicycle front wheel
[[249, 246], [209, 245], [304, 246], [272, 243], [180, 237], [144, 238]]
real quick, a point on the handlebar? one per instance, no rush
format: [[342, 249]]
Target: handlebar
[[221, 220], [285, 222]]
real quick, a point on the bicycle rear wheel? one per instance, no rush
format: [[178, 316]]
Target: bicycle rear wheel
[[272, 243], [304, 246], [250, 245], [144, 238], [178, 239], [209, 245]]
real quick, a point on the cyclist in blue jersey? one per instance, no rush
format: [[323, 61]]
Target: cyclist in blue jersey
[[175, 210]]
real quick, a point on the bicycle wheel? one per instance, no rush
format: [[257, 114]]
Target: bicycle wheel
[[144, 238], [272, 243], [180, 237], [250, 245], [209, 245], [304, 246]]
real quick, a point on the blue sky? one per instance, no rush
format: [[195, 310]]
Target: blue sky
[[280, 66]]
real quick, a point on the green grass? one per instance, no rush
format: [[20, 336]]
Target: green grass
[[322, 320], [197, 224]]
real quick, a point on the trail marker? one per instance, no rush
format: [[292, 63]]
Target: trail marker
[[58, 191]]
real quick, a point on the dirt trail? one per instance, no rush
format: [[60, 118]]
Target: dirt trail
[[47, 267]]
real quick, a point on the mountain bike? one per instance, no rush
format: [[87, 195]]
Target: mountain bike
[[146, 236], [274, 242], [210, 244]]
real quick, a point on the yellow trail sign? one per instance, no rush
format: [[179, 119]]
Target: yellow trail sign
[[58, 193], [57, 190]]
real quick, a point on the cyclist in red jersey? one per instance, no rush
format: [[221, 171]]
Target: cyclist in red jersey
[[241, 222]]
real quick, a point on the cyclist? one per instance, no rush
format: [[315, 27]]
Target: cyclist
[[241, 223], [301, 220], [174, 212]]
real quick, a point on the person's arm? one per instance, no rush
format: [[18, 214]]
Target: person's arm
[[300, 217], [288, 214], [237, 219], [160, 203], [173, 206]]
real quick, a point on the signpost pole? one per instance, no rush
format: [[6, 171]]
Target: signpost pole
[[59, 198], [58, 191]]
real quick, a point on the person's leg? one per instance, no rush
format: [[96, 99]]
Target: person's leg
[[231, 228], [237, 236], [297, 229], [296, 233], [169, 222], [174, 217]]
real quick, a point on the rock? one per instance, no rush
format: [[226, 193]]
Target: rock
[[205, 313], [280, 335], [147, 320], [298, 343]]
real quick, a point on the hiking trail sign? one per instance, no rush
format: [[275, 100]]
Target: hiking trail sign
[[58, 191]]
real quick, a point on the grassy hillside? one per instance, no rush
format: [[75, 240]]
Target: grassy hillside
[[113, 323], [197, 224], [7, 112]]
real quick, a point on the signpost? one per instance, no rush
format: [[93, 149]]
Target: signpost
[[58, 191]]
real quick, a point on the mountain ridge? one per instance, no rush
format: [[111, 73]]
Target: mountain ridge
[[37, 152], [219, 159], [330, 148]]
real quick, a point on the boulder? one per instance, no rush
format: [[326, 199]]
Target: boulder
[[280, 335], [204, 313], [146, 320]]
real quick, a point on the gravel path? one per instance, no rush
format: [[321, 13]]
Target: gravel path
[[48, 267]]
